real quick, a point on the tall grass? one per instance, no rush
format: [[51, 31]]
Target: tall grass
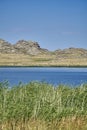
[[41, 106]]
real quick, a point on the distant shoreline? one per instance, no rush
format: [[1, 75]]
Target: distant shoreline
[[75, 66]]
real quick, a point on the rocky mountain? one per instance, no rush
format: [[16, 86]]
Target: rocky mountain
[[29, 53], [33, 48], [72, 52], [22, 46]]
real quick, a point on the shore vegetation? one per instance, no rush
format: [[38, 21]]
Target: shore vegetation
[[42, 106]]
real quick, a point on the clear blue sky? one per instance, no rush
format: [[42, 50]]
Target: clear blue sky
[[53, 24]]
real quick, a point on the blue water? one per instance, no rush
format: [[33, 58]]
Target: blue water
[[70, 76]]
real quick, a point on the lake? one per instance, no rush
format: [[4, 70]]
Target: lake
[[52, 75]]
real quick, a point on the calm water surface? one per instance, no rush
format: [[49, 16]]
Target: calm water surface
[[70, 76]]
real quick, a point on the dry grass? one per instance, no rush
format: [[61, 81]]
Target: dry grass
[[40, 60], [70, 123]]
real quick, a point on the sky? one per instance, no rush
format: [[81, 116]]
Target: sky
[[54, 24]]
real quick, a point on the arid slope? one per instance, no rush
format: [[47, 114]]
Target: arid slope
[[28, 53]]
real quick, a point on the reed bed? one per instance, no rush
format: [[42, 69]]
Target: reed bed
[[41, 106]]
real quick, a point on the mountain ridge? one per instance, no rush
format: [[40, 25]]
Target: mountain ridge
[[29, 53], [23, 44]]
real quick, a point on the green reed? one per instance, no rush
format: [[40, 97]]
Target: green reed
[[41, 101]]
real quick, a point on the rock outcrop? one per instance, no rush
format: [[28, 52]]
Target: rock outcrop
[[28, 47], [72, 52], [22, 46], [33, 48], [5, 47]]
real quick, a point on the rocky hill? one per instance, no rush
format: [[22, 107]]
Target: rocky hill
[[72, 52], [22, 47], [33, 48], [29, 53]]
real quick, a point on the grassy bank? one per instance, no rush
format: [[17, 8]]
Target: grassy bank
[[41, 60], [41, 106]]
